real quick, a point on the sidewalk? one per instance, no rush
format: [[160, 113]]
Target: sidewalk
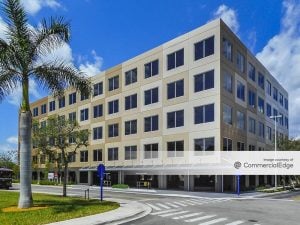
[[128, 211]]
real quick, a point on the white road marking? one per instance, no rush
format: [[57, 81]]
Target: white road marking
[[153, 206], [173, 213], [187, 216], [189, 202], [236, 222], [175, 206], [200, 218], [165, 211], [179, 203], [163, 206], [213, 221]]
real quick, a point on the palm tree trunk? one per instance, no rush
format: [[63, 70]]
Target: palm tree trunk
[[65, 180], [25, 199]]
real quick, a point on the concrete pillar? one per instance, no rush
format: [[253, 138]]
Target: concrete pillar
[[247, 183], [90, 178], [189, 183], [219, 183], [77, 176], [120, 177], [265, 179], [162, 181], [256, 180]]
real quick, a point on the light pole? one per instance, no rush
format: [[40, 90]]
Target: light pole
[[275, 117]]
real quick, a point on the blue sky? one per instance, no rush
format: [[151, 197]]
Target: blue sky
[[105, 33]]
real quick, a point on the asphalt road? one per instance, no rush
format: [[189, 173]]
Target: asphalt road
[[204, 211]]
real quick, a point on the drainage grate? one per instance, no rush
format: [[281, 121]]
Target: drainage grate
[[253, 221]]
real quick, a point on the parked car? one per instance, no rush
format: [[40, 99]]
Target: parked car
[[6, 178]]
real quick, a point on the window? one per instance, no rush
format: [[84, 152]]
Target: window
[[286, 122], [98, 89], [35, 111], [97, 133], [61, 102], [240, 62], [241, 123], [97, 155], [175, 119], [51, 106], [84, 156], [72, 116], [43, 109], [175, 89], [98, 111], [151, 69], [204, 48], [204, 114], [72, 139], [71, 157], [84, 114], [151, 123], [281, 119], [151, 96], [72, 98], [240, 146], [275, 93], [252, 125], [269, 88], [251, 98], [130, 152], [113, 154], [131, 102], [204, 81], [227, 114], [113, 106], [286, 103], [251, 72], [269, 133], [252, 147], [113, 83], [227, 49], [227, 144], [227, 82], [275, 113], [151, 151], [113, 130], [130, 127], [175, 148], [261, 80], [84, 97], [280, 99], [261, 105], [131, 76], [261, 130], [204, 144], [175, 59], [240, 91], [269, 110]]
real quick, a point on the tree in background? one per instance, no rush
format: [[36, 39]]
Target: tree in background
[[62, 140], [9, 160], [21, 59]]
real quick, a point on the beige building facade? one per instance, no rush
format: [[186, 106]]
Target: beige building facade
[[200, 92]]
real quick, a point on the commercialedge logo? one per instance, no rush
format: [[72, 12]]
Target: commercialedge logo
[[278, 165], [237, 165]]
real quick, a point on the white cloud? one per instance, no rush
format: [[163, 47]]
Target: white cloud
[[92, 68], [12, 140], [281, 56], [33, 6], [229, 16], [3, 29]]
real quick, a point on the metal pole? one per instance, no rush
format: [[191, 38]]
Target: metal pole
[[275, 150], [101, 188]]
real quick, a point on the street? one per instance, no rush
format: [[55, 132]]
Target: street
[[199, 210]]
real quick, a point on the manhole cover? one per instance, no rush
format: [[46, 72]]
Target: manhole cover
[[253, 221]]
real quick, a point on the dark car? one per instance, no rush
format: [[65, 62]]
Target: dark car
[[5, 178]]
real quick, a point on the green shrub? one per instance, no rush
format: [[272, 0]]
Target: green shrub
[[122, 186], [48, 182]]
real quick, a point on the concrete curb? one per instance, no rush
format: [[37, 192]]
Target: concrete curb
[[128, 211]]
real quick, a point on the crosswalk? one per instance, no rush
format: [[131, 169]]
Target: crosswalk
[[175, 210]]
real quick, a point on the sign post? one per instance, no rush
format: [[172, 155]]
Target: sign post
[[101, 171], [238, 185]]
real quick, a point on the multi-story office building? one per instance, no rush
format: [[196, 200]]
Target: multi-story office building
[[202, 91]]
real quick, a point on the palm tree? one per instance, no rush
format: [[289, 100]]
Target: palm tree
[[21, 56]]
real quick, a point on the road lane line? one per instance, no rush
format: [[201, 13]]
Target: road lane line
[[173, 213], [187, 216], [170, 204], [200, 218], [153, 206], [165, 211], [163, 206], [179, 203], [236, 222], [213, 221]]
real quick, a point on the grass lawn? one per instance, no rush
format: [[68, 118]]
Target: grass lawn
[[48, 208]]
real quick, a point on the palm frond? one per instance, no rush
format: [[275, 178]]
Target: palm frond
[[8, 82]]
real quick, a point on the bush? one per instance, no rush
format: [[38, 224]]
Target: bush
[[122, 186], [48, 182]]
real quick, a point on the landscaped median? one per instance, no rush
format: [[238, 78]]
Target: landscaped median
[[48, 209]]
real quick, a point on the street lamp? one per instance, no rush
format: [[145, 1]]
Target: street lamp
[[275, 117]]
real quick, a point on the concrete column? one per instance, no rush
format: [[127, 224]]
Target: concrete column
[[219, 183], [256, 180], [90, 178], [77, 176], [120, 177], [247, 183], [265, 179], [189, 183], [162, 181]]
